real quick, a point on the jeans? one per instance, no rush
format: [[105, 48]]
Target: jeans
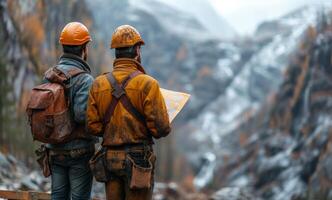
[[71, 177]]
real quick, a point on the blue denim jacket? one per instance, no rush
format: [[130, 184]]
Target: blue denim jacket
[[78, 96]]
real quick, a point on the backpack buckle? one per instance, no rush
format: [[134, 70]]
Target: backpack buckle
[[75, 153]]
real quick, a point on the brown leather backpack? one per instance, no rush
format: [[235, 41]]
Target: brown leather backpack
[[48, 109]]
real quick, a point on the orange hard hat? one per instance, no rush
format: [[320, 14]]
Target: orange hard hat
[[74, 33], [125, 36]]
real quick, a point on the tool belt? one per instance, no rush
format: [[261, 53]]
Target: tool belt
[[136, 161], [74, 153], [131, 147]]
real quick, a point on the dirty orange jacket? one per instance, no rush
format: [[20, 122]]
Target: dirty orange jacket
[[123, 128]]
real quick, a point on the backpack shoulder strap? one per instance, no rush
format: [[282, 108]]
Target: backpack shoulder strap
[[119, 94], [75, 71], [66, 76], [55, 74]]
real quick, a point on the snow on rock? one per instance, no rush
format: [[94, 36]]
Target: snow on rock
[[14, 175], [261, 76], [233, 194], [205, 175], [269, 127], [282, 151]]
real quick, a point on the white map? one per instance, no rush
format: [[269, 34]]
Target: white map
[[174, 102]]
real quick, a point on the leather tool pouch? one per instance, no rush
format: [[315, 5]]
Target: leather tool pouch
[[141, 172], [43, 160], [98, 165], [116, 160]]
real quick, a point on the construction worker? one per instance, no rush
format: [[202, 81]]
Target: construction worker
[[127, 109], [70, 172]]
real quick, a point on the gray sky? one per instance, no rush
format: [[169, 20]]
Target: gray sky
[[245, 15]]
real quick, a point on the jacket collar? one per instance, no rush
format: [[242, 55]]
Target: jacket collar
[[75, 61], [128, 62]]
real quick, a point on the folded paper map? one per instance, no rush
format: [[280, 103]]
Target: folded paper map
[[174, 102]]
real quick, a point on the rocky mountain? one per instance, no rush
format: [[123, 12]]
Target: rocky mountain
[[247, 90], [260, 77], [269, 132], [285, 154]]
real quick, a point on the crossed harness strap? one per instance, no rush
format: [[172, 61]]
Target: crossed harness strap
[[119, 94]]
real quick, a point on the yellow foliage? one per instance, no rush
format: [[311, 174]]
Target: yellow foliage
[[30, 29], [33, 32]]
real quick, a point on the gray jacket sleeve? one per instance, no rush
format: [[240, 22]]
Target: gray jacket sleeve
[[79, 96]]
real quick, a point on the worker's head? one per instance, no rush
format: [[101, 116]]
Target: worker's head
[[74, 39], [127, 42]]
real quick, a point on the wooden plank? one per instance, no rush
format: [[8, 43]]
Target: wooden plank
[[24, 195], [40, 196], [11, 195]]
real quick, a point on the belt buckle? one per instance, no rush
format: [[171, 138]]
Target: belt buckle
[[74, 153]]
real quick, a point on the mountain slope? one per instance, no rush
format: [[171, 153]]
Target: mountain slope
[[270, 132], [255, 84], [204, 12], [284, 151], [260, 77]]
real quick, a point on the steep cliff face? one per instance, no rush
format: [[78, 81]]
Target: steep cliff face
[[283, 151], [259, 77], [251, 87]]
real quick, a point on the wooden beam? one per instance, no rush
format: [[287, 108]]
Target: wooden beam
[[24, 195]]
